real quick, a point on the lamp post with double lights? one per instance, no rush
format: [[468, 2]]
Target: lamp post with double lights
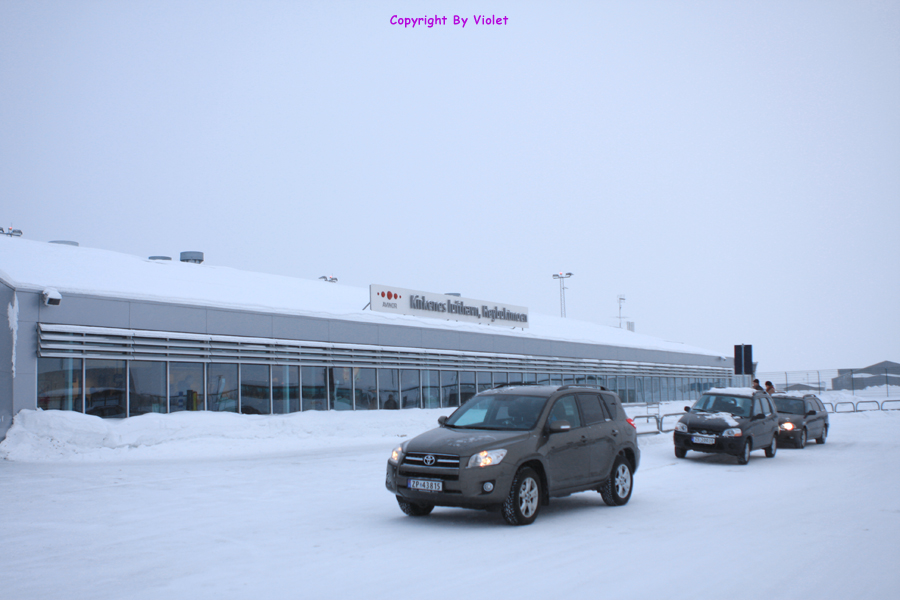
[[562, 292]]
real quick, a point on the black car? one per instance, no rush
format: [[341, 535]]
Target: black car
[[801, 418], [732, 421], [513, 448]]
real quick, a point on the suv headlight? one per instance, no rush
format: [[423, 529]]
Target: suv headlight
[[682, 427], [787, 426], [396, 455], [485, 458], [733, 432]]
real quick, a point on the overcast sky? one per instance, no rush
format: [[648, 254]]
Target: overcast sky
[[731, 167]]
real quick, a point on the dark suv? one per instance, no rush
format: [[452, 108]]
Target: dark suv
[[513, 448], [732, 421], [800, 418]]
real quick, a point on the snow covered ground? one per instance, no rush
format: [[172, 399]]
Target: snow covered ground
[[205, 505]]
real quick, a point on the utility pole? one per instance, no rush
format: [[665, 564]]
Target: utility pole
[[562, 292]]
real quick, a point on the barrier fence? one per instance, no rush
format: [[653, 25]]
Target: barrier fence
[[660, 422], [877, 381]]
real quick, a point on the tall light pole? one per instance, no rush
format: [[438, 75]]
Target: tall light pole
[[562, 292], [621, 300]]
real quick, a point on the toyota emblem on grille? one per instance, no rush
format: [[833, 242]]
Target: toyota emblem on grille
[[429, 460]]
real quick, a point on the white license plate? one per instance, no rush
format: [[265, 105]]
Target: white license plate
[[702, 439], [425, 485]]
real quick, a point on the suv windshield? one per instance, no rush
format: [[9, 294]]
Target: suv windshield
[[714, 403], [503, 412], [790, 406]]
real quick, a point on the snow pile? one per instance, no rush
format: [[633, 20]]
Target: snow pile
[[53, 435]]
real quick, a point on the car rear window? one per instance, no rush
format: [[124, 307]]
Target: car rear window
[[610, 402], [591, 408]]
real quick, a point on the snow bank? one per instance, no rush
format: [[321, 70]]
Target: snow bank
[[53, 435]]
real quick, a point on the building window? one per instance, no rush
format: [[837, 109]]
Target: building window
[[388, 389], [341, 385], [431, 389], [409, 388], [185, 386], [146, 387], [104, 387], [255, 390], [365, 390], [285, 389], [500, 378], [483, 381], [449, 388], [313, 388], [222, 387], [59, 384]]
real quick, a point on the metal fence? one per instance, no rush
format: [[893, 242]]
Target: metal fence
[[878, 381]]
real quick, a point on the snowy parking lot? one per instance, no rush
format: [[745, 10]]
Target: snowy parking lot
[[219, 506]]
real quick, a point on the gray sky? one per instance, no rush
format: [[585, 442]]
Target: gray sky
[[732, 168]]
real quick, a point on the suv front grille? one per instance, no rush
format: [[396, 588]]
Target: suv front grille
[[436, 461]]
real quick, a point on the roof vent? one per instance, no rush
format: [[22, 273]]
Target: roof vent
[[160, 258], [192, 257], [64, 242], [457, 294]]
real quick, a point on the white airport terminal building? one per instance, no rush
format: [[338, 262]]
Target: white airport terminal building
[[115, 335]]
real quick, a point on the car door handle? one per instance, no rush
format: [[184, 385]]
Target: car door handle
[[615, 432]]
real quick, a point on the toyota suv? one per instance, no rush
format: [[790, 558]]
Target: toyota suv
[[732, 421], [513, 448]]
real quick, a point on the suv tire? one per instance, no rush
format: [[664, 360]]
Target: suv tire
[[801, 443], [523, 503], [744, 456], [616, 490], [821, 439], [414, 509], [680, 452], [772, 448]]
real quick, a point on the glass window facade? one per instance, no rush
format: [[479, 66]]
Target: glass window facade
[[104, 387], [449, 388], [146, 387], [285, 389], [431, 389], [313, 388], [222, 387], [365, 389], [119, 388], [410, 394], [186, 386], [255, 389], [388, 389], [340, 383], [466, 385], [59, 384]]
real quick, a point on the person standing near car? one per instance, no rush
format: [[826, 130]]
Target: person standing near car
[[756, 385], [770, 389]]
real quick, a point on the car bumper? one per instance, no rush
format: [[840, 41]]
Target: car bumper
[[790, 437], [462, 489], [722, 445]]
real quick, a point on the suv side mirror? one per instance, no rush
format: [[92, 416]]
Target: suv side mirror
[[757, 417], [442, 420], [687, 409], [811, 413], [559, 426]]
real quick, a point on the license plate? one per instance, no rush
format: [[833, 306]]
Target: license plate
[[702, 439], [425, 485]]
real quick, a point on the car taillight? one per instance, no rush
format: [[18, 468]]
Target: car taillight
[[631, 422]]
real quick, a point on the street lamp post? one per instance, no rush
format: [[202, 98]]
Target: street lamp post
[[562, 292]]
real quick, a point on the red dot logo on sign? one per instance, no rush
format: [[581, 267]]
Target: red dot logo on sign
[[382, 294], [390, 296]]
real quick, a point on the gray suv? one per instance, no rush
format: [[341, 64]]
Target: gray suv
[[513, 448]]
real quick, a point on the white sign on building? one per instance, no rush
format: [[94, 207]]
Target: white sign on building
[[401, 301]]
